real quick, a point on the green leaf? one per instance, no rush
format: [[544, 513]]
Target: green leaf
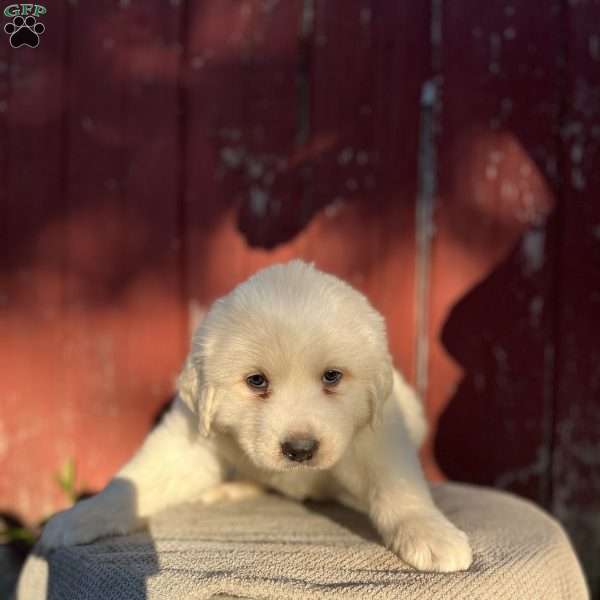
[[66, 479]]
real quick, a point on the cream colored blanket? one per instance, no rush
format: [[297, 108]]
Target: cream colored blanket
[[270, 547]]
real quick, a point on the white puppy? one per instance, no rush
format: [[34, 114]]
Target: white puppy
[[290, 385]]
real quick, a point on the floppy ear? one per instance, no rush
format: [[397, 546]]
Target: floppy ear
[[198, 396], [380, 390]]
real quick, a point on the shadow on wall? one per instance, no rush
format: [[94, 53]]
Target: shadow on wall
[[500, 332]]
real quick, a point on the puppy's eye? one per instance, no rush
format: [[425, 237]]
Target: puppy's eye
[[257, 381], [331, 377]]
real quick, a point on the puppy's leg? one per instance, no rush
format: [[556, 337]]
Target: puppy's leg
[[232, 491], [386, 477], [173, 465]]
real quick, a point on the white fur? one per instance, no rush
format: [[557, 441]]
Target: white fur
[[291, 322]]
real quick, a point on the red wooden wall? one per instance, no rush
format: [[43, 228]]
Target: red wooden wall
[[442, 157]]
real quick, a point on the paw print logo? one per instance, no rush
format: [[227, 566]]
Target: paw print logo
[[24, 32]]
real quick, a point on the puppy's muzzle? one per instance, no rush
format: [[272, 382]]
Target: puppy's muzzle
[[299, 450]]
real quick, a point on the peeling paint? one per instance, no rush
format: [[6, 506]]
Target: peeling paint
[[198, 62], [578, 180], [532, 248], [232, 157], [501, 358], [524, 474], [259, 200], [536, 306], [334, 208], [346, 156]]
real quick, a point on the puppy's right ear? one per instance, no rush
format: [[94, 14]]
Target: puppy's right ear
[[198, 396]]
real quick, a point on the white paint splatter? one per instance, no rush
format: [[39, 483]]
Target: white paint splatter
[[536, 306], [523, 474], [232, 157], [508, 190], [345, 156], [333, 209], [525, 170], [577, 152], [254, 168], [532, 247], [494, 68], [578, 179], [491, 172], [259, 200], [198, 62]]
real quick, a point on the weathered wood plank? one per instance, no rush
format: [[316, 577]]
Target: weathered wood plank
[[576, 464], [241, 191], [126, 327], [32, 254], [492, 289], [370, 62], [292, 152], [96, 322]]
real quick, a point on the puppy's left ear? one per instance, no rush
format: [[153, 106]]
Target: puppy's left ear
[[383, 383], [197, 395]]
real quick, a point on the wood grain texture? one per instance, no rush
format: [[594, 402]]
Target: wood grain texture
[[492, 294], [32, 365], [576, 457], [442, 157]]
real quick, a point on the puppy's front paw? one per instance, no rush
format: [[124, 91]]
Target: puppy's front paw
[[431, 543], [85, 522]]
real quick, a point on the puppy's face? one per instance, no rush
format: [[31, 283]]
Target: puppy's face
[[298, 361]]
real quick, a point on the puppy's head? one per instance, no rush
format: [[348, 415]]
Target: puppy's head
[[291, 364]]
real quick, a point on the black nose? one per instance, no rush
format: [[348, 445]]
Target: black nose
[[299, 450]]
